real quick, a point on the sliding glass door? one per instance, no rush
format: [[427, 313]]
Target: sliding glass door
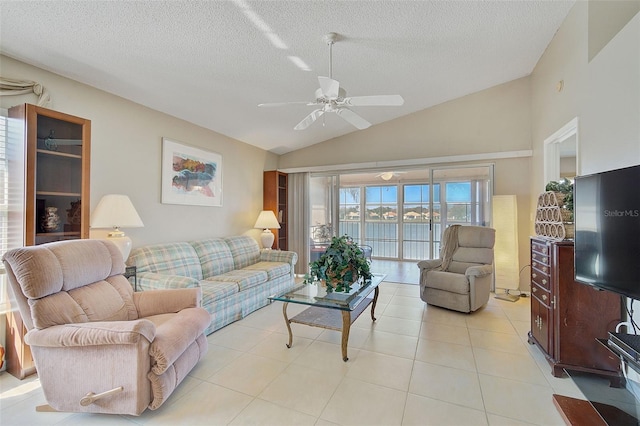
[[400, 214]]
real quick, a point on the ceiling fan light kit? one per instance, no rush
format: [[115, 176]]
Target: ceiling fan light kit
[[331, 98]]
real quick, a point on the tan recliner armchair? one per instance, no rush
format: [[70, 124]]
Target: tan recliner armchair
[[461, 279], [98, 346]]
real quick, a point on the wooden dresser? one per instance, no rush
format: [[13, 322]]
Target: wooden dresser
[[567, 317]]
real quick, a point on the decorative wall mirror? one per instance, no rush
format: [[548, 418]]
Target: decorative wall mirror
[[561, 153]]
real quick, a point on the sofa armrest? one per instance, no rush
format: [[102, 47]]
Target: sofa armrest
[[164, 301], [154, 281], [429, 264], [290, 257], [93, 334], [479, 271]]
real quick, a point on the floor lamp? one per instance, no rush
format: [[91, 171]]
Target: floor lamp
[[506, 258]]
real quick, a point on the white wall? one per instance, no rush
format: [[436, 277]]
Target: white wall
[[610, 108], [126, 148], [603, 93]]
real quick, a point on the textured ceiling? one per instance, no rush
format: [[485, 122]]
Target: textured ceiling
[[212, 62]]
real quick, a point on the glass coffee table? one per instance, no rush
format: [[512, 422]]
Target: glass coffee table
[[334, 311]]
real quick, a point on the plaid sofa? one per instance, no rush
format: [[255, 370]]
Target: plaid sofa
[[236, 277]]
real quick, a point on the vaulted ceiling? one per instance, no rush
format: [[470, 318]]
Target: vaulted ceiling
[[212, 62]]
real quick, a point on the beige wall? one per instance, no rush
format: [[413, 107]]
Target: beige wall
[[494, 120], [610, 104], [603, 93], [126, 159]]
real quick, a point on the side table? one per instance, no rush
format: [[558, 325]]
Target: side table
[[129, 272]]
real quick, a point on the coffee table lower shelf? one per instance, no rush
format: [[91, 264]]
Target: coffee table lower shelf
[[332, 319]]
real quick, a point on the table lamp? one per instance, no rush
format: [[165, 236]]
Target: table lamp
[[266, 220], [116, 211]]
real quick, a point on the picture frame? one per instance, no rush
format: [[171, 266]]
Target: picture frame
[[190, 176]]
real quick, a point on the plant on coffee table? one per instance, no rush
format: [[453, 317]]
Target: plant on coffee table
[[341, 265]]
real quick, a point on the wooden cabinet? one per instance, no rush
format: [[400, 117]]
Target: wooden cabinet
[[48, 179], [567, 317], [275, 199], [50, 153]]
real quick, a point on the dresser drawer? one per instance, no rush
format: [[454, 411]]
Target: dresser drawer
[[541, 268], [541, 279], [540, 258], [540, 247], [541, 294]]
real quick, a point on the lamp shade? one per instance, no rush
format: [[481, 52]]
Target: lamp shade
[[266, 220], [116, 211]]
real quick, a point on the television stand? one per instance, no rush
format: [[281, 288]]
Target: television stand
[[627, 346]]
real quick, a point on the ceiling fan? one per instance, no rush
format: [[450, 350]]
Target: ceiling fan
[[331, 98]]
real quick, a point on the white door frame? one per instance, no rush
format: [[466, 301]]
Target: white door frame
[[552, 151]]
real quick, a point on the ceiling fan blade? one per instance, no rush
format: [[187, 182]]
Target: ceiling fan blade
[[309, 119], [376, 100], [353, 118], [278, 104], [330, 88]]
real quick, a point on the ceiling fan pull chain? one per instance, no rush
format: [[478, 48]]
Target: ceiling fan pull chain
[[331, 60]]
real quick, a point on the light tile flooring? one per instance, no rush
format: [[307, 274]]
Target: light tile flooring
[[416, 365]]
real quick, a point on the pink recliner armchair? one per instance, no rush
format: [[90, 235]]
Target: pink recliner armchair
[[98, 346]]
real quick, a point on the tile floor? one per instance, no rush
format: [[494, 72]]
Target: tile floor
[[416, 365]]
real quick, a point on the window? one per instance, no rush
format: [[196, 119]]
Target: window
[[417, 220], [350, 213], [404, 218], [4, 210], [381, 220]]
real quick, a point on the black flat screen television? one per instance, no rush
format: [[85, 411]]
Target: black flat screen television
[[607, 230]]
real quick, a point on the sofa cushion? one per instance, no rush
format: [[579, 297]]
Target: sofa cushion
[[244, 278], [451, 282], [168, 258], [215, 256], [244, 249], [273, 269], [213, 290]]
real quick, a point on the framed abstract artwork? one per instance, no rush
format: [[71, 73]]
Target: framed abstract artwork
[[190, 176]]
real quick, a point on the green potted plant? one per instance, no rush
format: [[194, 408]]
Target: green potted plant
[[565, 188], [341, 265]]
